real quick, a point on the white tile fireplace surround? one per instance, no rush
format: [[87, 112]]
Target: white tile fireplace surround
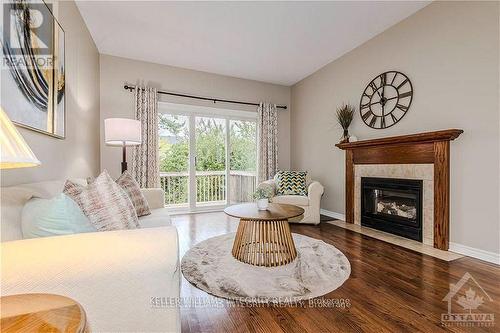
[[424, 172]]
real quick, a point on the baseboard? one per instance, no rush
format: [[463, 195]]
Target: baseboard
[[335, 215], [453, 247], [475, 253]]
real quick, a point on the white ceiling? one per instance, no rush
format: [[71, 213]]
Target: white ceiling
[[277, 42]]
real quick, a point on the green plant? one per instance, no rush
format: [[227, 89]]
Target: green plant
[[345, 114], [262, 193]]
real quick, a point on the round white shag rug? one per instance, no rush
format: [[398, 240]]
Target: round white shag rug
[[318, 269]]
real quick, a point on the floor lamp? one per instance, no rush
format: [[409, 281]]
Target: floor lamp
[[122, 132], [14, 151]]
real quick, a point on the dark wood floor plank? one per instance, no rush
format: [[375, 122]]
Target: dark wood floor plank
[[391, 289]]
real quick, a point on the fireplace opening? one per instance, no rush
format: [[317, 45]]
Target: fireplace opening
[[392, 205]]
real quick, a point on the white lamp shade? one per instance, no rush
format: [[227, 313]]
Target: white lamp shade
[[122, 131], [14, 151]]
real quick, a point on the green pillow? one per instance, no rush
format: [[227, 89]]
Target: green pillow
[[291, 182], [52, 217]]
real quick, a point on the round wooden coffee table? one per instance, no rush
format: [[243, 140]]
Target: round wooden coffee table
[[42, 313], [263, 237]]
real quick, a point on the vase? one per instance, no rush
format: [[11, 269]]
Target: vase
[[262, 204]]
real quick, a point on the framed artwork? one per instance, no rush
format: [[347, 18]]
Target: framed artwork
[[33, 68]]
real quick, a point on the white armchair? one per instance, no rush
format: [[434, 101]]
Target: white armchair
[[310, 203]]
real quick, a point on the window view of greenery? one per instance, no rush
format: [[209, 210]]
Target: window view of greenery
[[174, 157], [243, 146], [210, 144], [210, 135], [242, 160]]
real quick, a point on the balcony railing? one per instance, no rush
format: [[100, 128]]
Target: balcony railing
[[210, 187]]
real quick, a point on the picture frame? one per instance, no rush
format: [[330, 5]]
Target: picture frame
[[33, 69]]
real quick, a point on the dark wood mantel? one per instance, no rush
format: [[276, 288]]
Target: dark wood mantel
[[444, 135], [421, 148]]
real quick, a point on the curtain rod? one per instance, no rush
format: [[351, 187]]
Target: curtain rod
[[215, 100]]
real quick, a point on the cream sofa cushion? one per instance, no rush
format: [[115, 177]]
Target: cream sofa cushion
[[298, 200], [158, 218], [154, 196]]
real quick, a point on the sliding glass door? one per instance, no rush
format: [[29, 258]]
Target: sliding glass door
[[210, 161], [242, 160], [174, 159], [207, 161]]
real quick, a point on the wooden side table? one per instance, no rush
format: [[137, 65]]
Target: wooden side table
[[263, 237], [41, 313]]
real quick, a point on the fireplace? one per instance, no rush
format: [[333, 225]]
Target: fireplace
[[392, 205], [414, 149]]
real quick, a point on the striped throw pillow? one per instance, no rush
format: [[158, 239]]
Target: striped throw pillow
[[133, 190], [291, 182], [104, 202], [131, 187]]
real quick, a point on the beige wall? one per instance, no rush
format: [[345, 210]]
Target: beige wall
[[450, 51], [78, 154], [117, 102]]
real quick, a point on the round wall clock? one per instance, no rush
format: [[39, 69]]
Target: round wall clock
[[386, 100]]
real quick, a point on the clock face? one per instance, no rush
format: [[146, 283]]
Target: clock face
[[386, 100]]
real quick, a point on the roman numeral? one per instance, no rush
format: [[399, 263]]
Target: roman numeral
[[394, 119], [364, 106], [372, 122], [406, 94], [394, 78], [402, 107], [365, 94], [382, 122], [366, 115], [373, 86], [383, 79], [402, 84]]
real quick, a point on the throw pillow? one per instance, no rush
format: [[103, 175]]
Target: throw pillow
[[291, 182], [131, 187], [133, 190], [104, 202], [52, 217]]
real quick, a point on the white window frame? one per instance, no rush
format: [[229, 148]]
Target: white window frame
[[193, 111]]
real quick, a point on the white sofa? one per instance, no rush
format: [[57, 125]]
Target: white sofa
[[310, 203], [117, 276]]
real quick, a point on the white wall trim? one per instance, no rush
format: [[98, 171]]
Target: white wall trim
[[475, 253], [338, 216]]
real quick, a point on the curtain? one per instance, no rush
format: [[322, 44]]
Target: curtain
[[268, 141], [145, 163]]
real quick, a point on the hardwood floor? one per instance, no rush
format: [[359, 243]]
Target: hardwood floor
[[391, 289]]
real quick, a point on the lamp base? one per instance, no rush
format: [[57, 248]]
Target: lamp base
[[124, 161], [124, 167]]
